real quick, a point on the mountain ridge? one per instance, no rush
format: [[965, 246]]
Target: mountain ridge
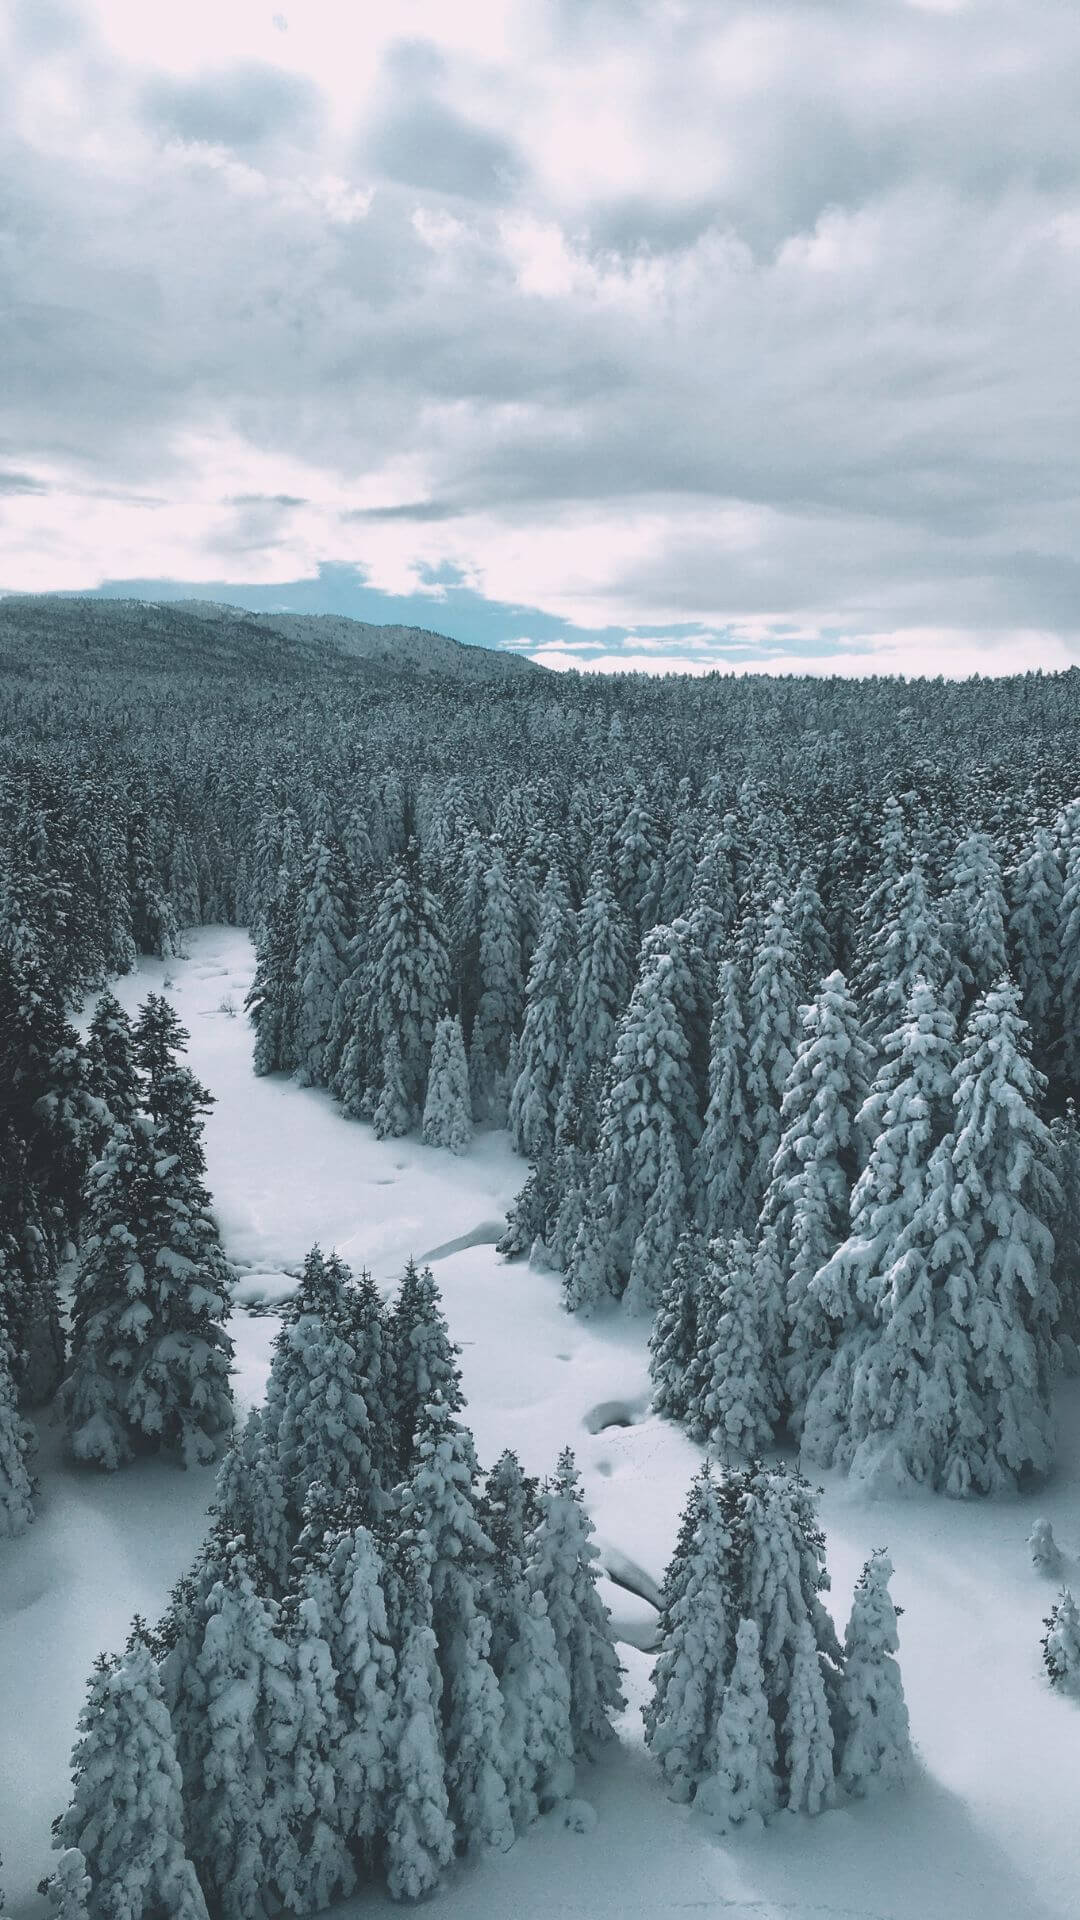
[[161, 635]]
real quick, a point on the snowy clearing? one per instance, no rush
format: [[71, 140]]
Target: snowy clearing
[[988, 1831]]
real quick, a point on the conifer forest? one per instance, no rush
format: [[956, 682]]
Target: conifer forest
[[749, 1010]]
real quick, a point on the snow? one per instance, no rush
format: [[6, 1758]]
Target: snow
[[988, 1830]]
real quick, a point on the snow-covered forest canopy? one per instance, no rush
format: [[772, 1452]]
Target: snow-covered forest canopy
[[774, 986]]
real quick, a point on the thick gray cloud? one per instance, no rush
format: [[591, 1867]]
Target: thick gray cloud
[[762, 314]]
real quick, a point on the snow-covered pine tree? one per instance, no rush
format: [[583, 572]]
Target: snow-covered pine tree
[[1065, 1136], [110, 1312], [542, 1048], [392, 1115], [407, 983], [876, 1289], [1035, 927], [251, 1503], [804, 1214], [236, 1813], [674, 1341], [647, 1132], [742, 1786], [448, 1106], [696, 1638], [419, 1833], [978, 912], [601, 986], [1061, 1644], [424, 1358], [563, 1568], [985, 1415], [314, 1865], [537, 1735], [502, 993], [16, 1485], [317, 1411], [363, 1659], [876, 1749], [806, 1738], [1069, 962], [272, 997], [733, 1378], [781, 1578], [69, 1887], [1045, 1552], [125, 1815], [508, 1510], [111, 1077], [771, 1028], [726, 1153], [322, 936], [478, 1770], [908, 945]]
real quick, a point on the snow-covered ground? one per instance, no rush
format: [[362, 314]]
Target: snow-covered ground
[[989, 1832]]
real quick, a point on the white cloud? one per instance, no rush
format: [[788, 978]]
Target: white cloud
[[680, 317]]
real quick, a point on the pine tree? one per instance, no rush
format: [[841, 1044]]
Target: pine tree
[[307, 1733], [448, 1106], [771, 1025], [538, 1738], [602, 984], [806, 1737], [478, 1771], [321, 952], [726, 1153], [978, 911], [407, 983], [563, 1568], [69, 1887], [907, 946], [1061, 1644], [876, 1749], [648, 1129], [995, 1324], [542, 1051], [125, 1816], [733, 1385], [111, 1077], [110, 1313], [804, 1214], [236, 1820], [424, 1357], [1069, 952], [1065, 1138], [876, 1291], [674, 1342], [392, 1115], [1035, 916], [16, 1485], [781, 1578], [328, 1413], [1045, 1553], [419, 1834], [682, 1718], [501, 1003], [273, 997], [363, 1658], [742, 1785]]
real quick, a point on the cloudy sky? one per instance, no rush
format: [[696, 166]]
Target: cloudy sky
[[628, 332]]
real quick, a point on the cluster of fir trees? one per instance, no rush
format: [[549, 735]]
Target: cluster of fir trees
[[150, 1359], [900, 1304], [756, 1706], [147, 1364], [380, 1662]]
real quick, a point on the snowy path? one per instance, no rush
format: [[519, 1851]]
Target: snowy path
[[990, 1832]]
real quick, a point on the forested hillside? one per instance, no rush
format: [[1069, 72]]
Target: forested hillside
[[775, 986]]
